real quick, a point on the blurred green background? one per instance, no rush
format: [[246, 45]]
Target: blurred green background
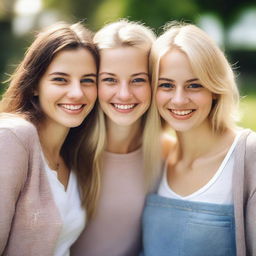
[[232, 23]]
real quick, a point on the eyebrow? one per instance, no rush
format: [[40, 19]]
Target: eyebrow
[[171, 80], [58, 73], [64, 74], [140, 73], [90, 74], [136, 74], [106, 73]]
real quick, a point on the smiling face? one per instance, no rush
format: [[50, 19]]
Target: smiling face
[[67, 90], [183, 102], [124, 87]]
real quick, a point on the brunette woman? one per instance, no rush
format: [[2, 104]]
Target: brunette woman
[[44, 116]]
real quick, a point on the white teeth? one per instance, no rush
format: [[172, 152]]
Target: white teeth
[[124, 106], [71, 107], [181, 113]]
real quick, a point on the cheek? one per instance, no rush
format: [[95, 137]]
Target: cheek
[[91, 93], [46, 97], [205, 101], [143, 93], [104, 92], [161, 98]]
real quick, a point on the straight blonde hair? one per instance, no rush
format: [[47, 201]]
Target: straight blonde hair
[[125, 33], [208, 63]]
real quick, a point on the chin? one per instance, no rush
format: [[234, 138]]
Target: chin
[[72, 124], [124, 122]]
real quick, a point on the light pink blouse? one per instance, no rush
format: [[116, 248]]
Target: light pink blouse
[[116, 228]]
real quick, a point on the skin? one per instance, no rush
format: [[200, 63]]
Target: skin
[[184, 103], [124, 95], [67, 93]]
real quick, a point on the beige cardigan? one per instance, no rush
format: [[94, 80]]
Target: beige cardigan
[[29, 219], [244, 183]]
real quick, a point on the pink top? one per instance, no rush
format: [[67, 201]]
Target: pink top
[[30, 222], [116, 228]]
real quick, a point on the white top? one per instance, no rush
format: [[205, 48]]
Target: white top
[[116, 228], [219, 188], [72, 213]]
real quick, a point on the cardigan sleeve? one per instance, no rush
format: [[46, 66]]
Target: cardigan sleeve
[[250, 212], [13, 173], [251, 225]]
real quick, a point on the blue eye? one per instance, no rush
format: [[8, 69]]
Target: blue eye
[[109, 80], [87, 80], [59, 79], [195, 86], [166, 85], [139, 80]]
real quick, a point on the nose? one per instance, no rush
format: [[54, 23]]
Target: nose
[[180, 97], [124, 91], [75, 90]]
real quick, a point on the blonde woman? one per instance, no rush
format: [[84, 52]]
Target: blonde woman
[[45, 113], [124, 93], [205, 204]]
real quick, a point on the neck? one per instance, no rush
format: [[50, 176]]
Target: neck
[[52, 138], [123, 139], [196, 142]]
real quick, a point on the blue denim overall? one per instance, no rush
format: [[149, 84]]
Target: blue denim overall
[[174, 227]]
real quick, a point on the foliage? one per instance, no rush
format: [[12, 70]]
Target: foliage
[[226, 10], [154, 13], [157, 13], [247, 107]]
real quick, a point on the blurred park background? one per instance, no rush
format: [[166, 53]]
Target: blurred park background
[[232, 23]]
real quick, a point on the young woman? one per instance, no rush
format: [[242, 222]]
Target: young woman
[[124, 95], [50, 94], [206, 200]]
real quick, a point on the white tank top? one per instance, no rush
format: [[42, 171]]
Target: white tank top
[[72, 213], [219, 188]]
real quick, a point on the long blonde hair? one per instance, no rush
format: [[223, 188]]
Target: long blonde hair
[[124, 33], [208, 63]]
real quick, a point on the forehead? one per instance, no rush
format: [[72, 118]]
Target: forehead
[[175, 63], [67, 59], [129, 58]]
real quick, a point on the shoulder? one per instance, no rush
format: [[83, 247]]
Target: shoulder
[[247, 139], [246, 152], [168, 143], [14, 126], [250, 147], [251, 139]]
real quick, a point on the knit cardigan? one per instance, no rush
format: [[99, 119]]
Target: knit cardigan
[[30, 222], [244, 183], [29, 219]]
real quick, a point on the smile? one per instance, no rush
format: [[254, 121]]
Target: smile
[[181, 112], [123, 106], [72, 107]]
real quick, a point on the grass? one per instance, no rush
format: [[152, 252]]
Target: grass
[[247, 108]]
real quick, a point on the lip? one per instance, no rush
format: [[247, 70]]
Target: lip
[[72, 108], [182, 114], [124, 108]]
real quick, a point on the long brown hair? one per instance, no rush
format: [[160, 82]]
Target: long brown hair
[[77, 150]]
